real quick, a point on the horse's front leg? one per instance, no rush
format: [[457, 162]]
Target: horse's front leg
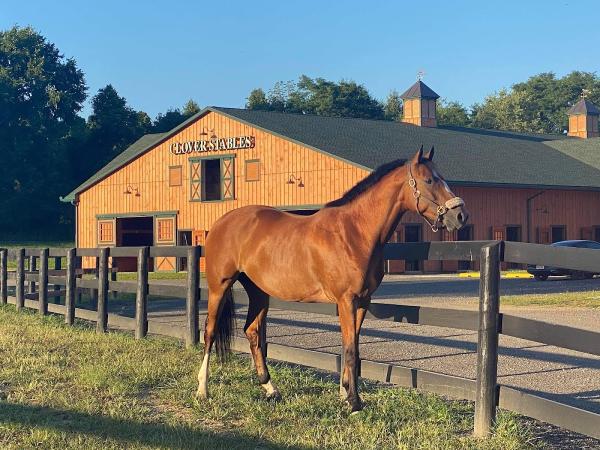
[[347, 307], [361, 311]]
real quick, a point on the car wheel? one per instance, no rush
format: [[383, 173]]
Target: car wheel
[[541, 277], [589, 275], [577, 275]]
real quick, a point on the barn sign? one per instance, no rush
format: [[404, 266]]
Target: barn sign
[[201, 146]]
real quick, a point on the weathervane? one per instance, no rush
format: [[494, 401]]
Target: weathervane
[[420, 75]]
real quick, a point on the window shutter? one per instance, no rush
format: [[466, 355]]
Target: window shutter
[[498, 233], [253, 170], [227, 178], [175, 177], [195, 181]]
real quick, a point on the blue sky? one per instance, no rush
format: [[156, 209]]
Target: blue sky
[[160, 54]]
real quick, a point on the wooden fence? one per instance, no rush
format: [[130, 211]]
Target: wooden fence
[[488, 321]]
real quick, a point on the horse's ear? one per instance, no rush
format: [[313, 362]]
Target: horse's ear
[[429, 155], [418, 158]]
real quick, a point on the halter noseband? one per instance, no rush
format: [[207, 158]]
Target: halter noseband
[[454, 202]]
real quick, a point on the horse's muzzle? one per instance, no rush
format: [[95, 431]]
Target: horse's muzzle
[[455, 218]]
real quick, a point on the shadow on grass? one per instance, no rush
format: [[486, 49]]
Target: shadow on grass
[[126, 431]]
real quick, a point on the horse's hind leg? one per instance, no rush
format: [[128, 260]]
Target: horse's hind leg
[[258, 306], [218, 291]]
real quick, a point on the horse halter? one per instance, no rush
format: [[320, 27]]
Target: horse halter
[[454, 202]]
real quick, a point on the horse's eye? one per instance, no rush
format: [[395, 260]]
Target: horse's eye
[[428, 181]]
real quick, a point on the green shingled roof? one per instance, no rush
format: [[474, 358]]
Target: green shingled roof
[[465, 156], [585, 150]]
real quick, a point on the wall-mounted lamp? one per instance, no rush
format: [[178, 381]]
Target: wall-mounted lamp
[[131, 189], [292, 180], [205, 131]]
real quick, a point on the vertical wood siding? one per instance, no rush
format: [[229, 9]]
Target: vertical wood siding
[[325, 178]]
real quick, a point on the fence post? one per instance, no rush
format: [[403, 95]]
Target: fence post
[[20, 289], [57, 266], [32, 268], [192, 336], [43, 282], [71, 287], [102, 318], [3, 276], [141, 296], [487, 342]]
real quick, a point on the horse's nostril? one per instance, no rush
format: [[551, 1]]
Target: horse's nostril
[[460, 217]]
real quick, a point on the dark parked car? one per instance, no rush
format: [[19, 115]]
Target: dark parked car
[[542, 273]]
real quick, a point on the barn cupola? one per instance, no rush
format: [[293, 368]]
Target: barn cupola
[[419, 105], [583, 119]]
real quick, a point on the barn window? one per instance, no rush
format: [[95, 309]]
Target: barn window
[[253, 170], [175, 176], [212, 179], [558, 233], [106, 232], [165, 230]]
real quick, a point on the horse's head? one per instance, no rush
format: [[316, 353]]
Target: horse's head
[[433, 199]]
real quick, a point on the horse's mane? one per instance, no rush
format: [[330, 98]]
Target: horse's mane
[[366, 183]]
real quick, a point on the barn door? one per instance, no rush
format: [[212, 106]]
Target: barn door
[[199, 238], [543, 235], [227, 178], [195, 180], [396, 265], [587, 233], [165, 232]]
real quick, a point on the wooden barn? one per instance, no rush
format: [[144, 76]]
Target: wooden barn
[[169, 188]]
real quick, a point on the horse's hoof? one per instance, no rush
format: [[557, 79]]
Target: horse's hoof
[[274, 396], [355, 406], [201, 395]]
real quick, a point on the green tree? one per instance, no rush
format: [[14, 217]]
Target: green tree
[[190, 108], [392, 108], [41, 93], [505, 111], [173, 117], [452, 113], [318, 96], [257, 100], [537, 105], [167, 121], [113, 126]]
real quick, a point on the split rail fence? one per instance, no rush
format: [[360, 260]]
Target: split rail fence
[[488, 321]]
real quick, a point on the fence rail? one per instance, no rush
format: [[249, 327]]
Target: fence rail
[[489, 322]]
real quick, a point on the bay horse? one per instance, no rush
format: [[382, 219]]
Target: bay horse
[[334, 255]]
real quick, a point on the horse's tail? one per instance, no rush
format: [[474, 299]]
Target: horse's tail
[[225, 326]]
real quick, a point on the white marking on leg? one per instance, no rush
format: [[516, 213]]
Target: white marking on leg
[[270, 389], [343, 392], [203, 378]]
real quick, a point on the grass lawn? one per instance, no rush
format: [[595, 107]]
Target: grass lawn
[[584, 299], [66, 387]]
